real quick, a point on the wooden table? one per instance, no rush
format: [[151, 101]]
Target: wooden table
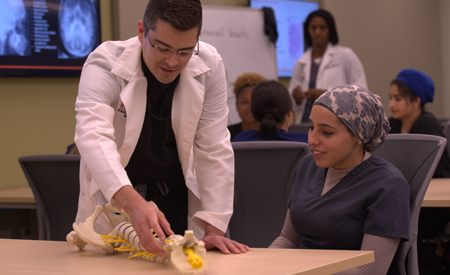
[[50, 257], [19, 198], [438, 194]]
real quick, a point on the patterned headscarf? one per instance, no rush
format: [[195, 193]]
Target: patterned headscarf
[[361, 111]]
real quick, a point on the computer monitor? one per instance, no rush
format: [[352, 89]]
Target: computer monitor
[[47, 37], [290, 16]]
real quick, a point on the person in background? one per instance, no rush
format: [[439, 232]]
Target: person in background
[[408, 94], [151, 126], [343, 195], [243, 91], [72, 150], [323, 66], [271, 106]]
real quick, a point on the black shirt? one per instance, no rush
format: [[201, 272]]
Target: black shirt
[[235, 129], [155, 158]]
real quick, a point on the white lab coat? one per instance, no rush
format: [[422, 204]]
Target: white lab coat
[[111, 106], [339, 66]]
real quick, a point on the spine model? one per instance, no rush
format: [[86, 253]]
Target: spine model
[[186, 253]]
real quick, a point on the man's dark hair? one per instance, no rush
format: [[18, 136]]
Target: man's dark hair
[[333, 38], [183, 15]]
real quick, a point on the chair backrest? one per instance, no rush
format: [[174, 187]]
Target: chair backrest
[[263, 181], [417, 157], [446, 130], [54, 180], [443, 120], [302, 127]]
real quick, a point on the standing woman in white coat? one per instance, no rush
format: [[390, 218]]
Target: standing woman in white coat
[[323, 66]]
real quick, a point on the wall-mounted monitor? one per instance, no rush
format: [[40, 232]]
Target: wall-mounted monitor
[[47, 37], [290, 16]]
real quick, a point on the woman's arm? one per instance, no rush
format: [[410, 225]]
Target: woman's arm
[[384, 249], [288, 237]]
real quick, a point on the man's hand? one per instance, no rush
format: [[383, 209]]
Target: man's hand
[[145, 216], [313, 94], [214, 238], [298, 95]]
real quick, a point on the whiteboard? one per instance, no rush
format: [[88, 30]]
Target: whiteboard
[[236, 32], [238, 35]]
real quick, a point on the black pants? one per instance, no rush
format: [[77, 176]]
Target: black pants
[[171, 197], [432, 223]]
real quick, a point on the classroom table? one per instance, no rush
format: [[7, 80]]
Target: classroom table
[[18, 198], [438, 193], [51, 257]]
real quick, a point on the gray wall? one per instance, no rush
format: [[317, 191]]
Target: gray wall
[[444, 17], [389, 36]]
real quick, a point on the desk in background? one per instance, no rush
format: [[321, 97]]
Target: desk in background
[[51, 257], [19, 198], [438, 193], [18, 214]]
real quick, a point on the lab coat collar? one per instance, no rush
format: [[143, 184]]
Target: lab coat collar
[[189, 89], [196, 66], [328, 54], [128, 66], [330, 51]]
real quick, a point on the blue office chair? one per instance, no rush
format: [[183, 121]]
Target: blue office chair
[[54, 180], [417, 157]]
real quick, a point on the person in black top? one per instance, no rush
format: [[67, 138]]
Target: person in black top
[[408, 94], [243, 90], [272, 109], [151, 126]]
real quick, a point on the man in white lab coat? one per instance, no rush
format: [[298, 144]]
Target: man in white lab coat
[[152, 114]]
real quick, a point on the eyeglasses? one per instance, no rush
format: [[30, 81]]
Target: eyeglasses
[[167, 52]]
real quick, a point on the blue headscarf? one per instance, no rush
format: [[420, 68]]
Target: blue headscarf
[[420, 83]]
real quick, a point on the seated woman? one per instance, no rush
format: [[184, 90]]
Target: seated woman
[[343, 196], [408, 94], [243, 90], [272, 107]]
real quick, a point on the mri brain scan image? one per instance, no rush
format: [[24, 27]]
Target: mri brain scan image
[[14, 38], [77, 25]]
